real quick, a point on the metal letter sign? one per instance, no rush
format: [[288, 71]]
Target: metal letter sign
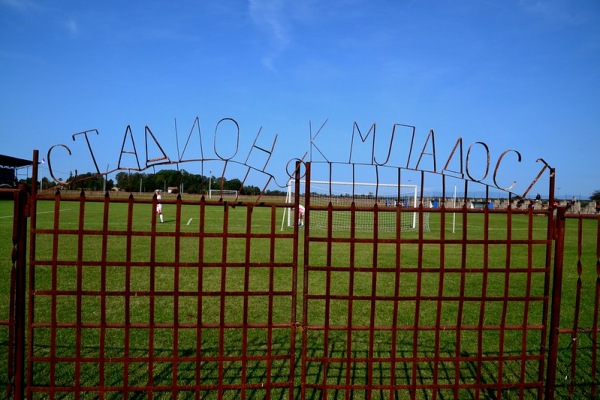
[[397, 154]]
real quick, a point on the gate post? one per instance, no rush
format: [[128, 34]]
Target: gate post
[[16, 368], [559, 251]]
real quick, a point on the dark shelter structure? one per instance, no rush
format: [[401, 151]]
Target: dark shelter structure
[[8, 170]]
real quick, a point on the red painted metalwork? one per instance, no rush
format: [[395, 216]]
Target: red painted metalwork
[[150, 323], [556, 297], [430, 320], [578, 343], [17, 311], [478, 313]]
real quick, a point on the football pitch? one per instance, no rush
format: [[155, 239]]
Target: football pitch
[[165, 262]]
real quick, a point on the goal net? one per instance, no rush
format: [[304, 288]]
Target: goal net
[[389, 198], [222, 194]]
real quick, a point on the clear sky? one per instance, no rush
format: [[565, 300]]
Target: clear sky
[[515, 74]]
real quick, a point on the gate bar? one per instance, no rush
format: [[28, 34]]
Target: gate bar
[[18, 291], [559, 250], [18, 303]]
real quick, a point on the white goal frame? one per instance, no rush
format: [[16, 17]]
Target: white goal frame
[[223, 192], [288, 213]]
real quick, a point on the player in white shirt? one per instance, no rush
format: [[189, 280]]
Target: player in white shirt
[[301, 211], [159, 206]]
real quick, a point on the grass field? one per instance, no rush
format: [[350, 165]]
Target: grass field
[[226, 295]]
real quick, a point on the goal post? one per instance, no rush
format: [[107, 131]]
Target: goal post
[[387, 196], [222, 193]]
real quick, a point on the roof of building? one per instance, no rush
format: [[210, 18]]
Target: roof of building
[[8, 161]]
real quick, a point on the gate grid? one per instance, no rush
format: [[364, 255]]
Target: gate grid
[[205, 305], [578, 373], [122, 305], [417, 314]]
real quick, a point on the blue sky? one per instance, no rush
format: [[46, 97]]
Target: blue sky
[[515, 74]]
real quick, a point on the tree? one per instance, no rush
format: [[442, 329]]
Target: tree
[[250, 190], [595, 196], [275, 192], [166, 178], [232, 184], [129, 182], [193, 183], [88, 180]]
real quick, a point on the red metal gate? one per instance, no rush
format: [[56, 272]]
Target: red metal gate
[[122, 305], [205, 304], [428, 314]]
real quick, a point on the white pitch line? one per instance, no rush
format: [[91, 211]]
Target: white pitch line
[[40, 212], [48, 212]]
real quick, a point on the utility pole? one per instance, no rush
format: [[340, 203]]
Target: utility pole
[[105, 177]]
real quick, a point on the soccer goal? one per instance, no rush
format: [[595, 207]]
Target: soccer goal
[[224, 193], [388, 197]]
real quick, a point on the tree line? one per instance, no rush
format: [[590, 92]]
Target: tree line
[[163, 180], [191, 183]]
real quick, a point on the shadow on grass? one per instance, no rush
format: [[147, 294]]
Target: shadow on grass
[[222, 368]]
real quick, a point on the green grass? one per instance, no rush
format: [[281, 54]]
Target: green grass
[[162, 264]]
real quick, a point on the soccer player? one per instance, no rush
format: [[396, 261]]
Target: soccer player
[[301, 215], [159, 206]]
